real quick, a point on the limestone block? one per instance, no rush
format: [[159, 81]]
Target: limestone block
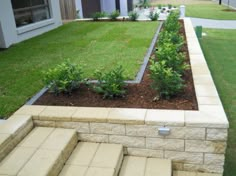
[[36, 137], [205, 146], [204, 168], [176, 133], [165, 117], [73, 170], [195, 133], [12, 164], [127, 141], [107, 128], [214, 159], [100, 171], [142, 130], [203, 79], [83, 154], [127, 116], [177, 166], [133, 166], [145, 152], [81, 127], [208, 100], [44, 123], [217, 134], [53, 113], [155, 166], [93, 137], [45, 161], [91, 114], [165, 144], [15, 124], [108, 156], [33, 110], [184, 157]]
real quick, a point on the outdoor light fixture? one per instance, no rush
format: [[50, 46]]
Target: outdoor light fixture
[[163, 131]]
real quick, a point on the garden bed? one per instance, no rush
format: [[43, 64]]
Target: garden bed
[[138, 95]]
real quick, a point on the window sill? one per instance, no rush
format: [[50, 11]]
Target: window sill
[[34, 26]]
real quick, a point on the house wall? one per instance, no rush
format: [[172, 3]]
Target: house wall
[[10, 34], [108, 6], [232, 3]]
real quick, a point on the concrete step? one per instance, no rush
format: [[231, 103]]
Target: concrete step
[[142, 166], [42, 152], [94, 159], [184, 173]]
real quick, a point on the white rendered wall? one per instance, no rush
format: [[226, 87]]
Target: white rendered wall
[[12, 34], [78, 5], [123, 8], [108, 6]]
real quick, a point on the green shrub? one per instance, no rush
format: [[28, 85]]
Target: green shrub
[[169, 6], [166, 81], [64, 78], [172, 24], [153, 16], [171, 37], [114, 15], [98, 15], [159, 6], [110, 84], [133, 16], [168, 53]]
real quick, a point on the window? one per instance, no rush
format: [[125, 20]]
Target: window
[[30, 11]]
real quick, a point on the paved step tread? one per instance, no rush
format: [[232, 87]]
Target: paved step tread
[[102, 159], [142, 166], [42, 152]]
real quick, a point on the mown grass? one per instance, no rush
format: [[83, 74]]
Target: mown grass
[[92, 44], [210, 11], [219, 49]]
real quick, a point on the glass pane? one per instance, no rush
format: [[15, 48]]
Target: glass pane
[[16, 4], [23, 18], [37, 2], [40, 14]]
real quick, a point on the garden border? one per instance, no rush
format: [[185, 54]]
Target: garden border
[[197, 139], [137, 79]]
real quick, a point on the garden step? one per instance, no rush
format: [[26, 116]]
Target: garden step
[[42, 152], [142, 166], [184, 173], [94, 159]]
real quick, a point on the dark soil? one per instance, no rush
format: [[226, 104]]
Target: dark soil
[[138, 95]]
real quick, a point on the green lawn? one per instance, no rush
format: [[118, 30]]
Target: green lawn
[[91, 44], [210, 11], [219, 49]]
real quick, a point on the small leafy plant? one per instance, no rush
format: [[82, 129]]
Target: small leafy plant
[[133, 16], [110, 84], [98, 15], [153, 16], [114, 15], [65, 77], [159, 6], [166, 81], [169, 6], [172, 24]]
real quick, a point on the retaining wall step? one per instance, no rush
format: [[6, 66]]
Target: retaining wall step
[[142, 166], [42, 152], [94, 159]]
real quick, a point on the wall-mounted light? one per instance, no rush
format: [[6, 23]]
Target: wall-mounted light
[[163, 131]]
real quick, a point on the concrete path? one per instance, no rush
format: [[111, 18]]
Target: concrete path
[[217, 24]]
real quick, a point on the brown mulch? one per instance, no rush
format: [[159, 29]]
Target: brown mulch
[[138, 95]]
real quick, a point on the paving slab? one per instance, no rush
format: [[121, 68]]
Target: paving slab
[[36, 137], [83, 154], [73, 170], [156, 167], [15, 160]]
